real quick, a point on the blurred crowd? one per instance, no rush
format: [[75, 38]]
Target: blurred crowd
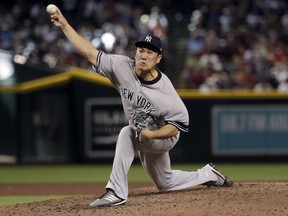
[[237, 45], [231, 44], [111, 25]]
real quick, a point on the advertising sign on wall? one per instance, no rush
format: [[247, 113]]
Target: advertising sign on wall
[[104, 118], [250, 130]]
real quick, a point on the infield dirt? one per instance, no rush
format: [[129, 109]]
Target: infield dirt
[[247, 198]]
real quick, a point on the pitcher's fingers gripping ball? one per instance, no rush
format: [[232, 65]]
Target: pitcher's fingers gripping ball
[[143, 120], [51, 9]]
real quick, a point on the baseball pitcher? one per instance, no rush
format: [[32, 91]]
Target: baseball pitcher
[[156, 116]]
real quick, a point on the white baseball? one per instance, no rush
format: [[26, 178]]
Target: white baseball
[[51, 9]]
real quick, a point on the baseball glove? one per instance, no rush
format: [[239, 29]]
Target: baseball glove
[[143, 120]]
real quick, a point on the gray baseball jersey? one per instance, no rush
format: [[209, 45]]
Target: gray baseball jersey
[[157, 97], [160, 99]]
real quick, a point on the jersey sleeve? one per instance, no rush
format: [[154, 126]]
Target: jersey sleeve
[[173, 108], [112, 66], [181, 126], [178, 116], [97, 68], [104, 65]]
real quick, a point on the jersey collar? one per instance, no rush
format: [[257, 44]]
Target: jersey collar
[[150, 82]]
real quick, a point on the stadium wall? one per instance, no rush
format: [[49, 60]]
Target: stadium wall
[[75, 117]]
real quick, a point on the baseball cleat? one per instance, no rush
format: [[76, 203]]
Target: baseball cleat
[[222, 180], [109, 198]]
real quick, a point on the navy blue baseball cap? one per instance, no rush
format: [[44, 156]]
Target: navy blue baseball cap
[[150, 41]]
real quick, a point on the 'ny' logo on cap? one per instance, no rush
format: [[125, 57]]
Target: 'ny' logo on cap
[[148, 38]]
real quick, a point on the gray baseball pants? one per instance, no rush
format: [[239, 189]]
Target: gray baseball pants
[[155, 159]]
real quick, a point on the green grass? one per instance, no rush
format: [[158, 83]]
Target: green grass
[[64, 174], [100, 173], [54, 174], [9, 200]]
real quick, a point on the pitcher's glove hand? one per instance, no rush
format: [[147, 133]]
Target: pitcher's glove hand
[[143, 120]]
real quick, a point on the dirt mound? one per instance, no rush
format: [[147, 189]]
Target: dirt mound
[[257, 198]]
